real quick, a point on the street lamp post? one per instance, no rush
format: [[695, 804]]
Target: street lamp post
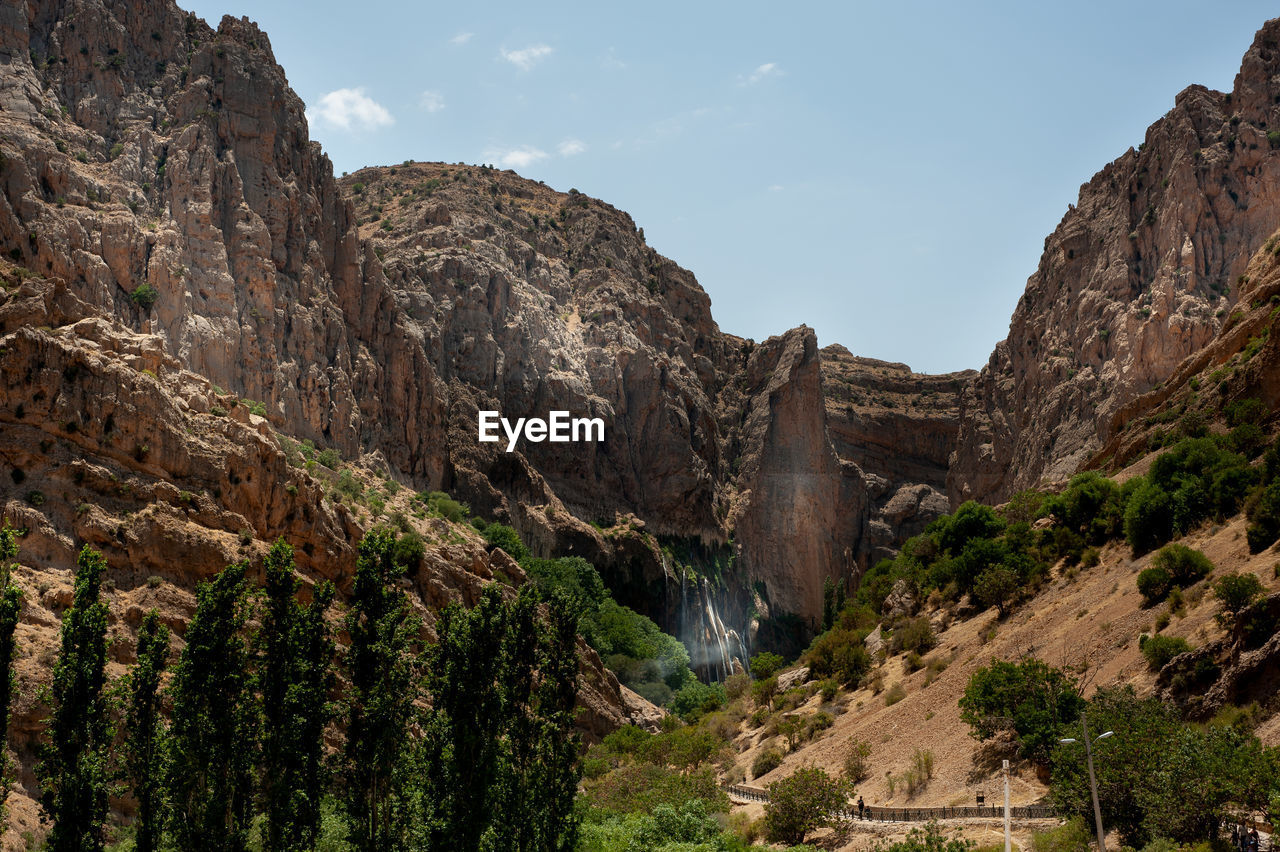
[[1093, 783]]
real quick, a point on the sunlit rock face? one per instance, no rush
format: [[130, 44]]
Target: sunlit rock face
[[1142, 271]]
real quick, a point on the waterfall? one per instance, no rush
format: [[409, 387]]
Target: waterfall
[[702, 623]]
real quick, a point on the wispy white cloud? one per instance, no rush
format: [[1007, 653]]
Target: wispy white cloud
[[516, 158], [461, 38], [610, 61], [571, 147], [527, 57], [768, 69], [351, 110], [777, 187], [431, 101]]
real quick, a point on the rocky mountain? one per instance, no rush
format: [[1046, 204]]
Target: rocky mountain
[[189, 296], [1141, 273]]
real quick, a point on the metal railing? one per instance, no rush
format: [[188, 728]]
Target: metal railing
[[882, 814]]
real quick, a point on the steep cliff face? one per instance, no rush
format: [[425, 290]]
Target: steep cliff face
[[899, 428], [790, 472], [143, 148], [1140, 273]]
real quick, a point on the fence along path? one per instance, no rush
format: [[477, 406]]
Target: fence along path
[[917, 814]]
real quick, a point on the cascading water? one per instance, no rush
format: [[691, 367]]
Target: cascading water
[[715, 650]]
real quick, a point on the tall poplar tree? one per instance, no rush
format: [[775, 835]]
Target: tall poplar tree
[[383, 679], [503, 682], [144, 731], [296, 676], [213, 731], [74, 767], [10, 610]]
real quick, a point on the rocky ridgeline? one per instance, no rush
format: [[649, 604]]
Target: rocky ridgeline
[[1141, 273]]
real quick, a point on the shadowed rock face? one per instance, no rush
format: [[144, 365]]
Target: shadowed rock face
[[1140, 273]]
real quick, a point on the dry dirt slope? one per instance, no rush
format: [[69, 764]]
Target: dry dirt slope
[[1093, 618]]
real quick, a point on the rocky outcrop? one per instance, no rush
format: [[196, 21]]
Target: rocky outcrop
[[1239, 669], [1141, 272], [790, 473]]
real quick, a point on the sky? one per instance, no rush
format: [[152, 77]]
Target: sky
[[886, 173]]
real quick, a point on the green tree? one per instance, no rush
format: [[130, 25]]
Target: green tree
[[539, 776], [1158, 776], [766, 664], [383, 678], [10, 610], [996, 586], [295, 681], [839, 653], [1148, 517], [805, 800], [213, 725], [75, 759], [1236, 591], [503, 681], [144, 730], [1264, 515], [1030, 697]]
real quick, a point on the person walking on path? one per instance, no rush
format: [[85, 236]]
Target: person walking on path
[[861, 808]]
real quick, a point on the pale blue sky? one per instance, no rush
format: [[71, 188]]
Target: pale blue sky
[[885, 173]]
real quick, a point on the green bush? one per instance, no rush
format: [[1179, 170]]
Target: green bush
[[1185, 565], [765, 762], [762, 691], [696, 699], [766, 664], [857, 767], [915, 635], [1264, 517], [1154, 584], [1071, 836], [931, 839], [144, 296], [446, 507], [1244, 412], [1236, 591], [805, 800], [349, 486], [329, 458], [641, 787], [1091, 506], [1160, 649], [839, 654], [500, 535], [1148, 517], [1030, 695], [409, 550]]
